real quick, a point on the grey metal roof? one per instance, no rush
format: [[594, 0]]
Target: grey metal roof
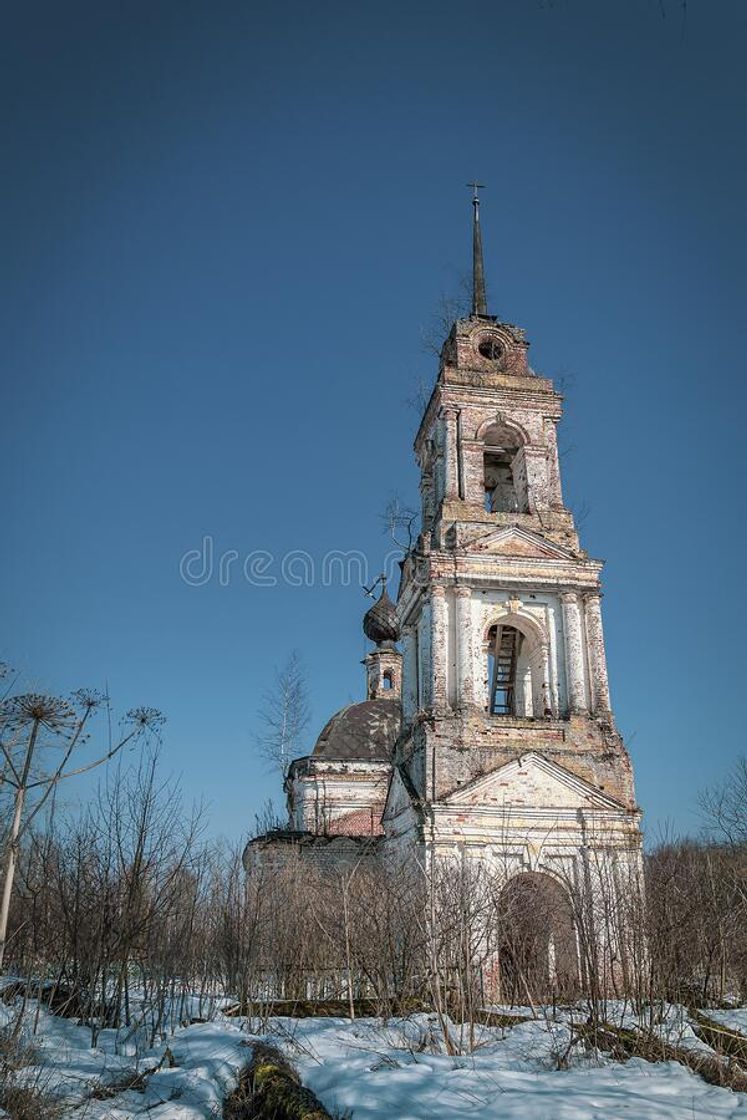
[[364, 732]]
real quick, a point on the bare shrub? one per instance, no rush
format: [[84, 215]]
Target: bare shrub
[[20, 1097]]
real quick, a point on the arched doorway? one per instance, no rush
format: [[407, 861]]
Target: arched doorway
[[537, 947]]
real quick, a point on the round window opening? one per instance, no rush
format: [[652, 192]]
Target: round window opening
[[491, 349]]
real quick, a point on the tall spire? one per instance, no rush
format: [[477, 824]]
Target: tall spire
[[479, 299]]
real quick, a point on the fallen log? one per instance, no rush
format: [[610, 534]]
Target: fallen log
[[270, 1089]]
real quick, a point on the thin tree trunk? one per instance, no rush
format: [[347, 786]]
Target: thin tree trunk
[[346, 919], [15, 828]]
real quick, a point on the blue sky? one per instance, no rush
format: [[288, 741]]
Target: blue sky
[[226, 228]]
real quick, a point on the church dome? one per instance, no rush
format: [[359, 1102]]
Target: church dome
[[380, 622], [364, 732]]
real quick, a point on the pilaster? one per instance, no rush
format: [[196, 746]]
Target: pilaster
[[426, 496], [449, 416], [554, 483], [574, 651], [439, 647], [547, 704], [465, 690], [597, 660]]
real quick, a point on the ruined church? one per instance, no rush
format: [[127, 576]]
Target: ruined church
[[487, 731]]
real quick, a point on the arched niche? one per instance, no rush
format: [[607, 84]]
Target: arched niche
[[537, 946]]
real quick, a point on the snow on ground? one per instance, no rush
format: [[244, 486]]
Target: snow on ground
[[669, 1022], [369, 1069], [735, 1018], [373, 1070], [207, 1057]]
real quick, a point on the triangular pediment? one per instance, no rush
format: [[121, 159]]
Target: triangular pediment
[[531, 781], [513, 541]]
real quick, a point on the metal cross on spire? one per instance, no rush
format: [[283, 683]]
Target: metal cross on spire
[[479, 298], [380, 580]]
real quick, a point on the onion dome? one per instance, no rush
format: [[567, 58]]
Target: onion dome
[[380, 622]]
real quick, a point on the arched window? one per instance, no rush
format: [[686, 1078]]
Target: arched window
[[387, 681], [517, 678], [502, 493]]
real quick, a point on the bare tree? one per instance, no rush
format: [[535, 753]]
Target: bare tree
[[400, 521], [31, 723], [448, 309], [725, 805], [422, 389], [267, 819], [284, 715]]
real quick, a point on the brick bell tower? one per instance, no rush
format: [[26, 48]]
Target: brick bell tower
[[509, 752]]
